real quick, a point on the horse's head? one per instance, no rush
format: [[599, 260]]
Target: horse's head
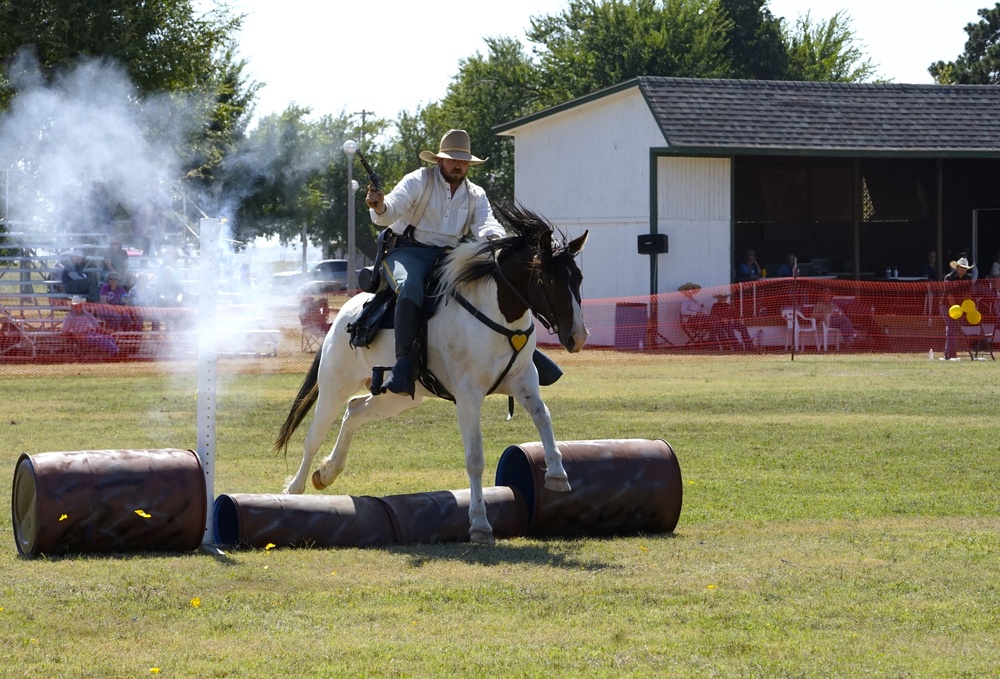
[[554, 294], [541, 275]]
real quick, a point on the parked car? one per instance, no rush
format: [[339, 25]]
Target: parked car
[[330, 275]]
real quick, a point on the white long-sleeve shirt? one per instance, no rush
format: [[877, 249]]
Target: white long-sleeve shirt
[[444, 219]]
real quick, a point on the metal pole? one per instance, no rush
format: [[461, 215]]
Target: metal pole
[[349, 149], [207, 349], [305, 246]]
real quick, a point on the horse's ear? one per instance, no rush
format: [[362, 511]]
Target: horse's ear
[[576, 246]]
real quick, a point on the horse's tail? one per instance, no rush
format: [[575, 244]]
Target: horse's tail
[[307, 395]]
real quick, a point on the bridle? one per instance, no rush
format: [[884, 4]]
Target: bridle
[[551, 326]]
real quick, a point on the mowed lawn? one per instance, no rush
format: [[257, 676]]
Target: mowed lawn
[[841, 518]]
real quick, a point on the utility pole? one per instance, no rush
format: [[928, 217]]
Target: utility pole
[[364, 114]]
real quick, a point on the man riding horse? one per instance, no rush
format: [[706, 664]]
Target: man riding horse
[[431, 209]]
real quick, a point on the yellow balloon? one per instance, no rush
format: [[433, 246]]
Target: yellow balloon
[[974, 317], [955, 311], [968, 306]]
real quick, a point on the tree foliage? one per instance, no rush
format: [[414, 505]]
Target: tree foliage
[[826, 51], [980, 63], [594, 44], [291, 174], [755, 47], [164, 46]]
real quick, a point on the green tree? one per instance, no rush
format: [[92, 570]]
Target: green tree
[[164, 47], [594, 44], [755, 47], [980, 64], [826, 51], [290, 174]]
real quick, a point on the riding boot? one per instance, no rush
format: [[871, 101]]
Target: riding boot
[[400, 379]]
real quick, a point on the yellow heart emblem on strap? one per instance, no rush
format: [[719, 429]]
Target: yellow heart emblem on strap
[[518, 341]]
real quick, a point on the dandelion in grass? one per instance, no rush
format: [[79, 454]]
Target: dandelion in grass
[[644, 548], [196, 602], [143, 514], [154, 670], [63, 517], [711, 586]]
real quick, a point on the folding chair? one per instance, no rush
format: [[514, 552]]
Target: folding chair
[[312, 338], [979, 341]]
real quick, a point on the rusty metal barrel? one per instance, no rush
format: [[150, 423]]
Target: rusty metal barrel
[[443, 516], [109, 501], [620, 487], [301, 521]]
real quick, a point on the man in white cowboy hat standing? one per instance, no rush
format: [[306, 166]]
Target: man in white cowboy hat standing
[[953, 294], [430, 210]]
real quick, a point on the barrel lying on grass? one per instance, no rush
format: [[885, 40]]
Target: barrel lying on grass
[[344, 521], [620, 486], [108, 501]]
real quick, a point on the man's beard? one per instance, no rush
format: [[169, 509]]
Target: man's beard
[[455, 176]]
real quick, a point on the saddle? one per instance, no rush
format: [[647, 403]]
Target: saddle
[[377, 314]]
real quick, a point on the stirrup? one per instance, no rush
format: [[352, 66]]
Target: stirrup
[[401, 378], [378, 376]]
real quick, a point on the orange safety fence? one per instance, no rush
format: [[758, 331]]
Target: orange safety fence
[[803, 315], [790, 316]]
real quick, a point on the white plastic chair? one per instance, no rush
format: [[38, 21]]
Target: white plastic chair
[[798, 323]]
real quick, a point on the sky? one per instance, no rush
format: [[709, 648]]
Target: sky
[[393, 55]]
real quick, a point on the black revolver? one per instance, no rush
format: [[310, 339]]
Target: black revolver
[[373, 178]]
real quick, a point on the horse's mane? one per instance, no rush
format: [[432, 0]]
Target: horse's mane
[[473, 261]]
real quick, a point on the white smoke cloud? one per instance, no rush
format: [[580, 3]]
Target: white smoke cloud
[[87, 125]]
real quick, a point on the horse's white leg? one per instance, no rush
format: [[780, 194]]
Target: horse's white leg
[[327, 406], [469, 422], [360, 409], [555, 475]]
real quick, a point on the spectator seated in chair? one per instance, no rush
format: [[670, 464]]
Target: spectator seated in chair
[[726, 326], [114, 294], [85, 334], [693, 315], [75, 280], [314, 315]]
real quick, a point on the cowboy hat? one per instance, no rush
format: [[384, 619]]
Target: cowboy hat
[[689, 286], [455, 145], [962, 262]]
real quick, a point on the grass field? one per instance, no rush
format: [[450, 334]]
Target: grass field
[[841, 518]]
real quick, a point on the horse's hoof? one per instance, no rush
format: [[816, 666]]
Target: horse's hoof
[[318, 481], [482, 537], [559, 484]]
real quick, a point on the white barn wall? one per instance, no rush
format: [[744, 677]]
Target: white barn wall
[[588, 168], [694, 204]]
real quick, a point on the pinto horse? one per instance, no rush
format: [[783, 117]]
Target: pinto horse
[[480, 341]]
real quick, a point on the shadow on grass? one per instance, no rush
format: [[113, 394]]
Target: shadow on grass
[[555, 553]]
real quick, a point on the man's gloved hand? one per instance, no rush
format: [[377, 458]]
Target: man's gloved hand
[[375, 199]]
